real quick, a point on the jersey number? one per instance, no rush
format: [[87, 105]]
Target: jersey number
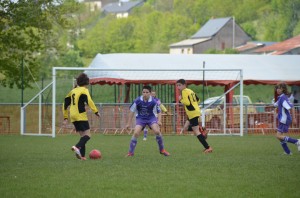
[[73, 99]]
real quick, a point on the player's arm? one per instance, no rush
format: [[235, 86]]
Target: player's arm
[[131, 114], [163, 108], [184, 98], [91, 103], [66, 104]]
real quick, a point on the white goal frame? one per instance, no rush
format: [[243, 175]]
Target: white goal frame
[[54, 72]]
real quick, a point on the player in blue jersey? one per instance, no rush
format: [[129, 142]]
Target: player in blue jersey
[[162, 108], [284, 118], [145, 107]]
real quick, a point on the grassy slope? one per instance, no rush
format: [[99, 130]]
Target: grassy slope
[[250, 166], [105, 94]]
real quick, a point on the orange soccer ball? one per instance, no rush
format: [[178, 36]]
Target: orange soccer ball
[[95, 154]]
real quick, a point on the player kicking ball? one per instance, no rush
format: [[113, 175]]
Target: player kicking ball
[[76, 99], [145, 107]]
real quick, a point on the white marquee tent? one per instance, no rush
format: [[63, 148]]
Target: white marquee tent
[[142, 68]]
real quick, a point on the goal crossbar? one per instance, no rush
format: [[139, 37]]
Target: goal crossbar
[[55, 69]]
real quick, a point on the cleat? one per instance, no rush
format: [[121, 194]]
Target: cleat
[[130, 154], [144, 139], [164, 152], [298, 145], [203, 131], [209, 150], [284, 153], [77, 152]]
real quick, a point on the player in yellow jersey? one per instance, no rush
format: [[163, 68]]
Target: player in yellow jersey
[[190, 101], [77, 98]]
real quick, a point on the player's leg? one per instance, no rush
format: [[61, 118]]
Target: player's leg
[[185, 127], [145, 133], [195, 126], [83, 128], [159, 139], [133, 141], [284, 139]]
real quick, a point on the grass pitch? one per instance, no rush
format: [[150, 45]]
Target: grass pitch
[[249, 166]]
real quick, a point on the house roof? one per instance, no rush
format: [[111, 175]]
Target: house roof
[[211, 27], [188, 42], [253, 45], [144, 68], [281, 47], [121, 7]]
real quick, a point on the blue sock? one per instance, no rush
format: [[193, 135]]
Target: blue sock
[[285, 147], [160, 142], [145, 133], [290, 140], [132, 145]]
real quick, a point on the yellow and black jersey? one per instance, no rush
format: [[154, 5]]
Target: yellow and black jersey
[[76, 99], [190, 101]]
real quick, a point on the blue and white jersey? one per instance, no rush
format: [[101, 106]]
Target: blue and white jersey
[[284, 105], [145, 110]]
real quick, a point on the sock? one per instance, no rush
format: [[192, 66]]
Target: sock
[[81, 144], [202, 140], [290, 140], [145, 133], [82, 151], [132, 145], [285, 147], [160, 142]]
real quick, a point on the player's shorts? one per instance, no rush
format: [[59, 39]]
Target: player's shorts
[[194, 121], [81, 125], [145, 122], [283, 128]]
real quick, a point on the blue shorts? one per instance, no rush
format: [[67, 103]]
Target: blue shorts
[[145, 122], [283, 128]]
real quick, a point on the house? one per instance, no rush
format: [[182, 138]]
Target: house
[[122, 8], [288, 47], [216, 34], [96, 5]]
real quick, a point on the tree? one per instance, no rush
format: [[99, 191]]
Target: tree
[[26, 30]]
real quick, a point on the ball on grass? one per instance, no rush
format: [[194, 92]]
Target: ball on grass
[[95, 154]]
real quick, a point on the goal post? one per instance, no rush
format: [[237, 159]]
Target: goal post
[[240, 80], [62, 83]]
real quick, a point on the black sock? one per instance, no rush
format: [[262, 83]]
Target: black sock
[[201, 138], [83, 140], [82, 151]]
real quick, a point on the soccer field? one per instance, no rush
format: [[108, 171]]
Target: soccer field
[[249, 166]]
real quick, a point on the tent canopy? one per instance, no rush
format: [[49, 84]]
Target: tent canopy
[[168, 68]]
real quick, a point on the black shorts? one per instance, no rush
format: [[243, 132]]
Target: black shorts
[[194, 121], [81, 125]]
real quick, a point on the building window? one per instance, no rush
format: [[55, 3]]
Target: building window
[[182, 51]]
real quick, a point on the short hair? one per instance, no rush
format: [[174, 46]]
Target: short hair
[[147, 87], [82, 79], [181, 81], [283, 86]]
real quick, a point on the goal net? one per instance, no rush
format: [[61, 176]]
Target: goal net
[[113, 90]]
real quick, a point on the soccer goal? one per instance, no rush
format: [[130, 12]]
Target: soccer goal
[[219, 117]]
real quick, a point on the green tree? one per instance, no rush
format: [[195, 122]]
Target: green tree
[[26, 30]]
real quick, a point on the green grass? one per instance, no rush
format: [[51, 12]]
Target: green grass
[[250, 166]]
